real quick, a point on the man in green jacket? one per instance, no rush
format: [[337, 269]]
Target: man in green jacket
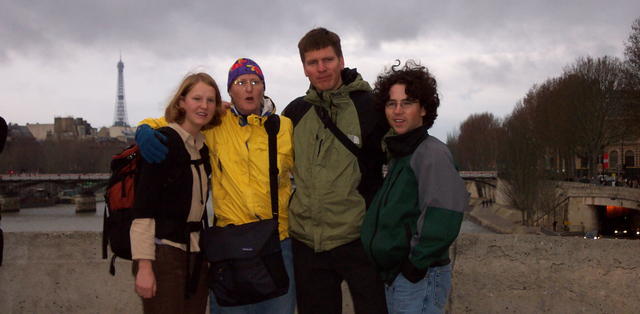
[[333, 185]]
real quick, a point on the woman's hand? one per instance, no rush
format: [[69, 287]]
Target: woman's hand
[[145, 279]]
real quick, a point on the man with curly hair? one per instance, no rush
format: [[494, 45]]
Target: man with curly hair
[[417, 213]]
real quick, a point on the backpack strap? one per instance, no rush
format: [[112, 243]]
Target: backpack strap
[[193, 276], [105, 232], [326, 120], [272, 126], [296, 110]]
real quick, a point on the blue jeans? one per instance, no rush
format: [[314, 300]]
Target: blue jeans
[[285, 304], [428, 295]]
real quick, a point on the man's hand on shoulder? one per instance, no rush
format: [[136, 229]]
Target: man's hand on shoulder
[[151, 144]]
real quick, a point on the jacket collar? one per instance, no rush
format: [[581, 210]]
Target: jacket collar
[[400, 145], [351, 81], [268, 108], [187, 138]]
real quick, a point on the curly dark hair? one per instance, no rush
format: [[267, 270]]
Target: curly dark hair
[[419, 84]]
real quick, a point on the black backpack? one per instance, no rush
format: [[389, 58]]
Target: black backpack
[[119, 199]]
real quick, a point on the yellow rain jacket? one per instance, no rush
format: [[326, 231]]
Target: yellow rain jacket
[[239, 151]]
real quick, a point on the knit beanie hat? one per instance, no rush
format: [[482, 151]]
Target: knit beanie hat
[[243, 66]]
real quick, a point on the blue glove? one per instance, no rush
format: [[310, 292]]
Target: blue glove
[[151, 144]]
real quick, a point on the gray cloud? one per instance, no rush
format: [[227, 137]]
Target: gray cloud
[[173, 28], [168, 27], [485, 53]]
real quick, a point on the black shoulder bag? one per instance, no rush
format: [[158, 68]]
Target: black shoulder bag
[[246, 260]]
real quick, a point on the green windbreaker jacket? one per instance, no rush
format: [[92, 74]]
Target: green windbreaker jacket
[[332, 191]]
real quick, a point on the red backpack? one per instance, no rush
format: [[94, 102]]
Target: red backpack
[[119, 199]]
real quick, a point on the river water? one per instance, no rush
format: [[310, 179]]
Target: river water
[[63, 217]]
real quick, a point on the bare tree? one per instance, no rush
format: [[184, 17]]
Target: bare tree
[[594, 89], [632, 80], [21, 155], [632, 49], [477, 142], [452, 143], [580, 112], [552, 125], [519, 162], [59, 156]]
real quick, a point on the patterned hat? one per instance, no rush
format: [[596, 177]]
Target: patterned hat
[[243, 66]]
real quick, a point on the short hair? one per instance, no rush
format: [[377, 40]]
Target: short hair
[[319, 38], [419, 84], [173, 112]]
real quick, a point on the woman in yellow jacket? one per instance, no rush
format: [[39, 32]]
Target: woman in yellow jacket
[[240, 178]]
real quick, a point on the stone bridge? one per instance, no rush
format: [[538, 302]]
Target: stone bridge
[[578, 206], [43, 189], [589, 206], [47, 177], [596, 195]]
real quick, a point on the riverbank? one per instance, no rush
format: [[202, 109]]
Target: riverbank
[[498, 218], [63, 272]]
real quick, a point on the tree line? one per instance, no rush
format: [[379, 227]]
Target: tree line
[[592, 104], [23, 154]]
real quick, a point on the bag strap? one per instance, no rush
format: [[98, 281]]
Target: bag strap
[[105, 231], [272, 126], [191, 277], [326, 120]]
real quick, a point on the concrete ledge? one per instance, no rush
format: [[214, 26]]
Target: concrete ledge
[[63, 273], [542, 274], [492, 273], [498, 218]]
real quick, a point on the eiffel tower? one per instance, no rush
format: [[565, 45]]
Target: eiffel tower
[[120, 116]]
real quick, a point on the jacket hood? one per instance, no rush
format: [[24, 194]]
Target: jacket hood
[[268, 108]]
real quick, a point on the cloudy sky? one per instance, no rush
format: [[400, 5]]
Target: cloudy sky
[[58, 58]]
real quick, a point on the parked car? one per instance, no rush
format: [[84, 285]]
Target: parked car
[[627, 233], [593, 235], [67, 196]]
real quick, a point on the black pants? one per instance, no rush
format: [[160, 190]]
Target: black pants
[[1, 246], [318, 278]]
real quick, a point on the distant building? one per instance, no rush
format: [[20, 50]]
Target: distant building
[[69, 128], [40, 131], [16, 131], [122, 133], [72, 128], [624, 158]]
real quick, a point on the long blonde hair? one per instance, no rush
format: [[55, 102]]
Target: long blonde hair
[[173, 112]]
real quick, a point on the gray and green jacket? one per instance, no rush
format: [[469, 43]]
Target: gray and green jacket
[[333, 187], [417, 213]]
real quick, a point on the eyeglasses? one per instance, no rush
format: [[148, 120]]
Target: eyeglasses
[[244, 83], [404, 104]]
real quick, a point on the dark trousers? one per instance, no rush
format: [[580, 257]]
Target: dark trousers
[[1, 246], [170, 269], [319, 277]]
